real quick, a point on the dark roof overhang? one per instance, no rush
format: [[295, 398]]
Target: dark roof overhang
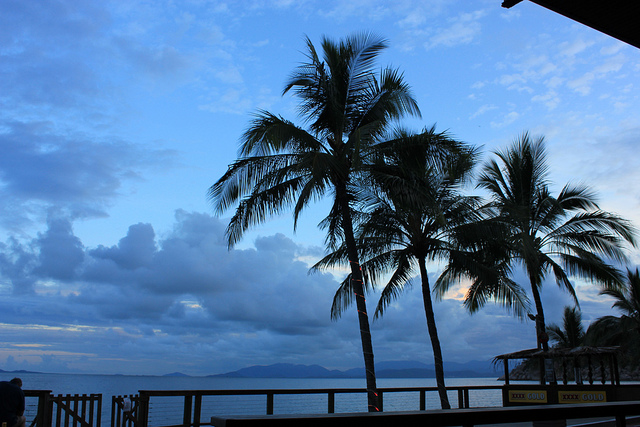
[[617, 18]]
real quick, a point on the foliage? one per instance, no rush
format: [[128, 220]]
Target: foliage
[[347, 109], [566, 235], [409, 215], [572, 333], [624, 330]]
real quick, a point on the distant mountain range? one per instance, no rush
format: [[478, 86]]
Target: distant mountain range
[[398, 369], [20, 371]]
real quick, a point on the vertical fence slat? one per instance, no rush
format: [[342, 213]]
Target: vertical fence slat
[[186, 417], [99, 410], [270, 403], [91, 410], [59, 412], [84, 408], [197, 408]]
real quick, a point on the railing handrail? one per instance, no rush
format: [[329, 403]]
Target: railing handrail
[[258, 391], [456, 417]]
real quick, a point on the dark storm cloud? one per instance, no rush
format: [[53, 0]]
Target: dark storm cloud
[[188, 273], [133, 251], [259, 302], [184, 294]]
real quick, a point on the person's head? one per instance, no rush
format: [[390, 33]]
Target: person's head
[[16, 381]]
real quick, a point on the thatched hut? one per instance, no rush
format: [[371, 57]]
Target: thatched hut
[[579, 358]]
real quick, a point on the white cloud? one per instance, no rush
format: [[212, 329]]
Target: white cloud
[[483, 109], [613, 48], [463, 30], [572, 49], [582, 84], [506, 120], [550, 99]]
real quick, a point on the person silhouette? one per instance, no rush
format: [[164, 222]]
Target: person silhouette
[[12, 403]]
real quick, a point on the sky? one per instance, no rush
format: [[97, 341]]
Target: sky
[[117, 116]]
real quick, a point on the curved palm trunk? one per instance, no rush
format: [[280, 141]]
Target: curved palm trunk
[[433, 334], [363, 317]]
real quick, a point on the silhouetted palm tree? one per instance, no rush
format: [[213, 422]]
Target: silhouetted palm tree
[[413, 211], [347, 107], [612, 330], [572, 334], [567, 235]]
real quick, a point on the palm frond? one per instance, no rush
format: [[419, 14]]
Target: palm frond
[[399, 279], [343, 298]]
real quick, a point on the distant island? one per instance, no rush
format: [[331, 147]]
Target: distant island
[[19, 371], [396, 369]]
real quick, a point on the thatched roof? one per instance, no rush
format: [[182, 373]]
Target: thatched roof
[[558, 353]]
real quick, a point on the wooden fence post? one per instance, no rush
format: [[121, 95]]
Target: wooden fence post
[[269, 403]]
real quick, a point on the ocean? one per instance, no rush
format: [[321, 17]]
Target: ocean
[[168, 410]]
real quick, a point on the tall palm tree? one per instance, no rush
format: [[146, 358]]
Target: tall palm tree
[[347, 108], [413, 210], [571, 334], [567, 235]]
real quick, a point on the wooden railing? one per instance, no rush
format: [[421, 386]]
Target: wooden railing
[[42, 414], [193, 401], [195, 408], [65, 410]]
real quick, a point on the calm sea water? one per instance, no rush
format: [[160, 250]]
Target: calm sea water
[[168, 410]]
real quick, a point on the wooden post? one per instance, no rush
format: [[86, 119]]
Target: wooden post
[[143, 413], [99, 410], [270, 403], [423, 400], [332, 402], [197, 408], [186, 417], [505, 362]]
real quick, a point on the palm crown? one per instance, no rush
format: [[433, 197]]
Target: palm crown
[[347, 108], [411, 208], [567, 235], [571, 334]]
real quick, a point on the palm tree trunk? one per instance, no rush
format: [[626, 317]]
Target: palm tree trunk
[[540, 325], [433, 334], [546, 375], [363, 317]]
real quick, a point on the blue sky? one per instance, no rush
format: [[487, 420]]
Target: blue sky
[[117, 116]]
